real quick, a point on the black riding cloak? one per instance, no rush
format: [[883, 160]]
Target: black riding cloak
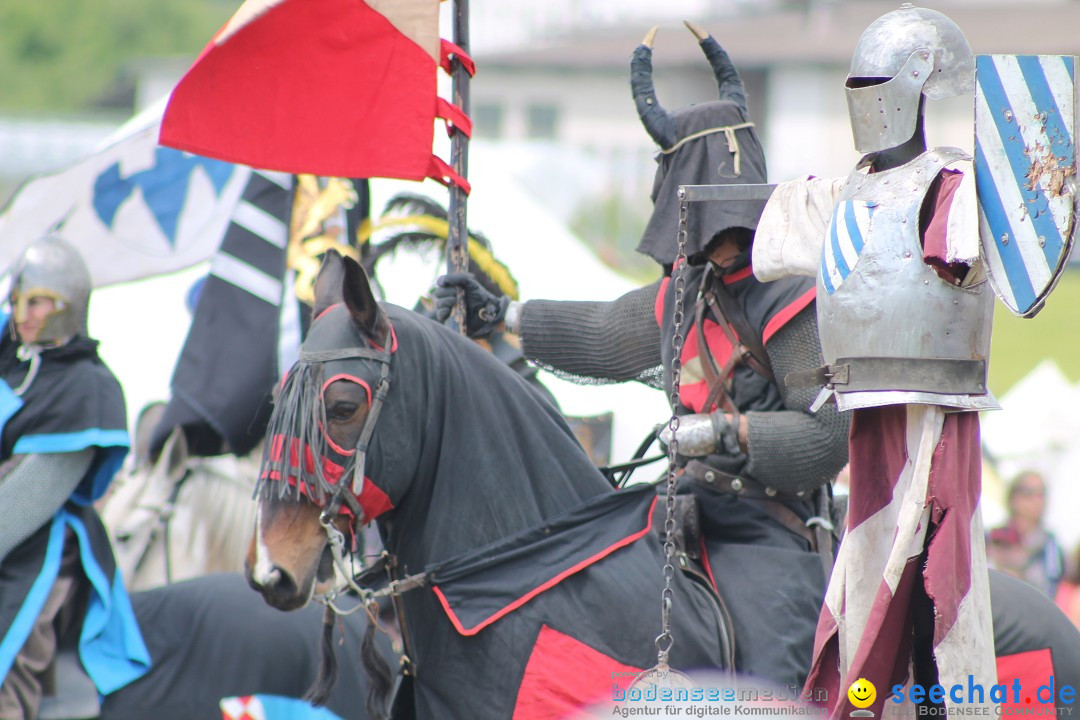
[[74, 402]]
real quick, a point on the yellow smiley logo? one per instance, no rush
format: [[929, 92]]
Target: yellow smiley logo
[[862, 693]]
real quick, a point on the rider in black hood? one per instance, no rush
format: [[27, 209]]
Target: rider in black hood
[[757, 460]]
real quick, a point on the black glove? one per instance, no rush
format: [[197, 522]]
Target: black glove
[[483, 309]]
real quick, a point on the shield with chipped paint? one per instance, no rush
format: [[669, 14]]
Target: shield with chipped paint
[[1025, 172]]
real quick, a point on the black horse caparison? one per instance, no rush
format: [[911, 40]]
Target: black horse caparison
[[544, 583]]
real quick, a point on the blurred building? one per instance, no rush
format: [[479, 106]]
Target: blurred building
[[552, 87], [554, 77]]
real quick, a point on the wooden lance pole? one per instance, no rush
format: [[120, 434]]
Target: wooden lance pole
[[457, 237]]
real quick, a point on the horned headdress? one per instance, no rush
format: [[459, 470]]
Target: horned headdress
[[702, 144]]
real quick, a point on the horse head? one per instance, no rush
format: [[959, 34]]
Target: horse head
[[310, 486]]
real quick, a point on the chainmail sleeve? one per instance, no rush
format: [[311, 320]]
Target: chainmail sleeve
[[33, 488], [595, 342], [793, 449]]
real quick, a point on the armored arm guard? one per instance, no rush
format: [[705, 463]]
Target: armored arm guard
[[595, 341], [33, 488], [792, 449]]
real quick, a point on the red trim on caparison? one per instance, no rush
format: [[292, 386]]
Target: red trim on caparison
[[331, 470], [393, 341], [563, 675], [1031, 669], [781, 318], [658, 306], [373, 501], [319, 316], [707, 566], [322, 391], [346, 376], [337, 448], [546, 585]]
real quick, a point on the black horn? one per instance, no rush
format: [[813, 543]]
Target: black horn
[[728, 81], [657, 121]]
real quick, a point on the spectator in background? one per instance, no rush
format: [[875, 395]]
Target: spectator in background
[[1023, 548]]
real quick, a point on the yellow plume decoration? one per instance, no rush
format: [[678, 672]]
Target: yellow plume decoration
[[312, 207], [440, 228]]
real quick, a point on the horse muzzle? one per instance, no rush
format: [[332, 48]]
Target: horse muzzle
[[278, 588], [282, 591]]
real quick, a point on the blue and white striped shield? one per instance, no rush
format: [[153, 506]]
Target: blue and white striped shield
[[1025, 172]]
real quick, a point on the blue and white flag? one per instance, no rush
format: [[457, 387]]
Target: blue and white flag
[[1025, 172], [136, 209]]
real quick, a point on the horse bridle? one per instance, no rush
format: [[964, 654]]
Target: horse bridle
[[342, 498], [382, 387], [339, 498]]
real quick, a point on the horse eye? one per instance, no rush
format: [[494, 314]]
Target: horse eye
[[342, 411]]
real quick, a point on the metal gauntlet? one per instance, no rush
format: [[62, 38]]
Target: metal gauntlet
[[704, 434]]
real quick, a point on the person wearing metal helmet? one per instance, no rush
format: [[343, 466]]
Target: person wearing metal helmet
[[751, 454], [62, 437], [904, 312]]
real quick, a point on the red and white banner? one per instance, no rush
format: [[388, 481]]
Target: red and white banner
[[341, 88]]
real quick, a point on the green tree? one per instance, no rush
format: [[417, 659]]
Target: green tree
[[73, 55]]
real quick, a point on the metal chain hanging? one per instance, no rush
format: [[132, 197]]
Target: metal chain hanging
[[665, 640], [662, 674]]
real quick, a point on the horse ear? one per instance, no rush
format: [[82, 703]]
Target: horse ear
[[329, 282], [175, 455], [366, 313]]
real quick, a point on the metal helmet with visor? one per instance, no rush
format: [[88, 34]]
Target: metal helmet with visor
[[902, 56], [53, 268]]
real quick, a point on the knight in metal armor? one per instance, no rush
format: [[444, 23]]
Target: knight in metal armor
[[755, 459], [62, 437], [904, 311]]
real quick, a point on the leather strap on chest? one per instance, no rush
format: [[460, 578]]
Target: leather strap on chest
[[732, 317], [746, 347]]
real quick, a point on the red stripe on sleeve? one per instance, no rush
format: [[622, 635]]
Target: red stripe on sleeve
[[659, 307], [781, 318]]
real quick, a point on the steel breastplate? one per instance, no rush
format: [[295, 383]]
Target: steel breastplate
[[887, 314]]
